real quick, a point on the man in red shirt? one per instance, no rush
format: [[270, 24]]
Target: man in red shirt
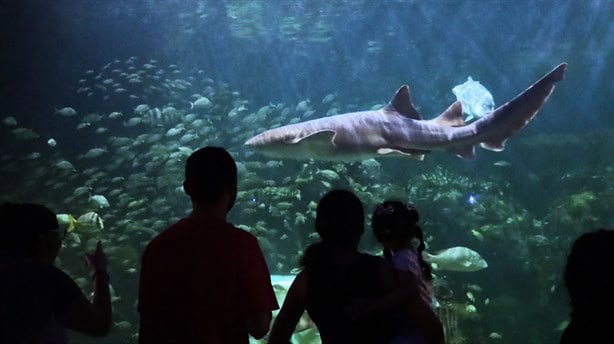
[[202, 279]]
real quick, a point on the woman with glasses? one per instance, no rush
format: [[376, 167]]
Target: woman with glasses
[[39, 300]]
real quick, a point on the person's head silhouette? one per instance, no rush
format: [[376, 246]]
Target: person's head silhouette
[[589, 278], [30, 230], [340, 218], [340, 224], [589, 274], [210, 176], [395, 225]]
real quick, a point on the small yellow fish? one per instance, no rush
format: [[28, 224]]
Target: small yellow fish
[[67, 220], [87, 221]]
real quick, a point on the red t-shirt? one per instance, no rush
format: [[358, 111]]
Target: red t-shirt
[[198, 284]]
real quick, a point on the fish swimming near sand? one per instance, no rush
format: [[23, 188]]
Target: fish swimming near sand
[[399, 130]]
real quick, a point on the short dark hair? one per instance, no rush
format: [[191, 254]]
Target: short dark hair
[[340, 220], [209, 172], [22, 223]]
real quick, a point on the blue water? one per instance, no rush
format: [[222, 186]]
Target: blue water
[[551, 183]]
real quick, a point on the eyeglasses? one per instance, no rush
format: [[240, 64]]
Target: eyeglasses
[[61, 232]]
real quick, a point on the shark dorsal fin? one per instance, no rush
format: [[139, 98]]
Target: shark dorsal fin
[[401, 103], [452, 117]]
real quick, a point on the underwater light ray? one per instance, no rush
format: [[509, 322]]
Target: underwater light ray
[[471, 45]]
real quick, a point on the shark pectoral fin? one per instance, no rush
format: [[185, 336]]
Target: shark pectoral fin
[[418, 155], [402, 104], [452, 117], [492, 145], [465, 152], [325, 136]]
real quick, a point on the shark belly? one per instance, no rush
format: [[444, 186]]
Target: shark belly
[[344, 138]]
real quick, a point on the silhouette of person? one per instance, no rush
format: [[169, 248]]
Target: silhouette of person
[[589, 279], [395, 226], [337, 279], [38, 299], [202, 279]]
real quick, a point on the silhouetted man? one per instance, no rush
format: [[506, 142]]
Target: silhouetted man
[[202, 279]]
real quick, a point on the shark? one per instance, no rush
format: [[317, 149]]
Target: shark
[[398, 129]]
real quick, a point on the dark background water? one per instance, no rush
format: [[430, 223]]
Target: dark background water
[[272, 51], [432, 47]]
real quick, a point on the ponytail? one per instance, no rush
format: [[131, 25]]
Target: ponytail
[[427, 271]]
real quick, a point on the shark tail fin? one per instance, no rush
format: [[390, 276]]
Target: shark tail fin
[[518, 112]]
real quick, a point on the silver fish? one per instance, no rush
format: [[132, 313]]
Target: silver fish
[[457, 259], [475, 98]]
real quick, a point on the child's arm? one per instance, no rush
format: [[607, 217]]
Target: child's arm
[[428, 322], [401, 287], [291, 311], [417, 309]]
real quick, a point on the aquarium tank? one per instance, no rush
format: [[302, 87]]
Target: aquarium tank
[[103, 101]]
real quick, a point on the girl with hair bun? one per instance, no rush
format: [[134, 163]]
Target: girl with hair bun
[[395, 226]]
